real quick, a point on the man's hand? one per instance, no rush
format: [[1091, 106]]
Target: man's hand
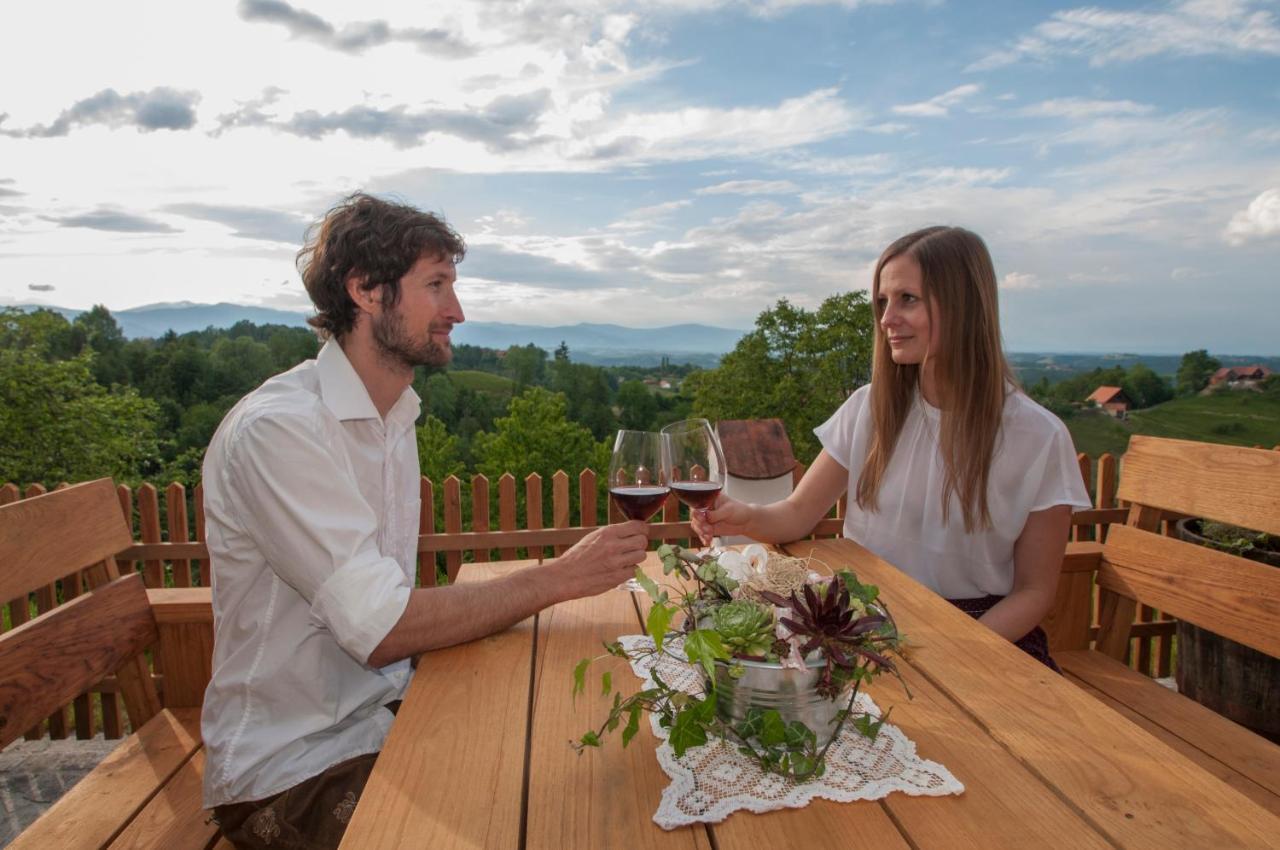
[[602, 560], [729, 516]]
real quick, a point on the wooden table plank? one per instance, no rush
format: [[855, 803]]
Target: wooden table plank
[[1130, 786], [606, 797], [451, 773], [1004, 805]]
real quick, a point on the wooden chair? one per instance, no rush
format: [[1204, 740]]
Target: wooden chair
[[146, 793], [1234, 597]]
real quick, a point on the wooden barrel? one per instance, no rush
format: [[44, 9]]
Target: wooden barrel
[[1229, 678]]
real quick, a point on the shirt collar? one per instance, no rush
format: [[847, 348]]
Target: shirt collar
[[340, 387]]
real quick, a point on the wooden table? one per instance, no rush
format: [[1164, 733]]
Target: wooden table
[[479, 755]]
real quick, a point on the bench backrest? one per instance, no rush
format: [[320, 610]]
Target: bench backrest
[[55, 657], [1229, 595]]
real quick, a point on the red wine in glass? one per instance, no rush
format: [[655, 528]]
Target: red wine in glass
[[639, 502], [695, 462], [698, 495]]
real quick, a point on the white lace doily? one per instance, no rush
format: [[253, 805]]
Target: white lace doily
[[711, 782]]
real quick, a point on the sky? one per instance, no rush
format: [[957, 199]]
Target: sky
[[662, 162]]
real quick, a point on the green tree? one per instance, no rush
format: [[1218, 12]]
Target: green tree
[[589, 396], [1194, 372], [1144, 387], [438, 454], [103, 335], [45, 332], [527, 365], [637, 406], [537, 436], [796, 365], [440, 398], [58, 424]]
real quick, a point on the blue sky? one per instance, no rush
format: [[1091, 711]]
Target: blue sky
[[664, 162]]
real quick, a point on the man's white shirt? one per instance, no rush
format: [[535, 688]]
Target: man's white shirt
[[311, 509]]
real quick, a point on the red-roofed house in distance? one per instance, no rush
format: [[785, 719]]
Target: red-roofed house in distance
[[1239, 377], [1112, 400]]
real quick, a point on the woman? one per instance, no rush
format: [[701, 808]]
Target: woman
[[955, 476]]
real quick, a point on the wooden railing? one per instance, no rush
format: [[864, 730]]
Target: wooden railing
[[171, 555]]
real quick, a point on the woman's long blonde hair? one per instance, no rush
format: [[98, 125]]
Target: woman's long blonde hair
[[971, 372]]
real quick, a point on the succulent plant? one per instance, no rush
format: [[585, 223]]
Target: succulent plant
[[832, 620], [745, 627]]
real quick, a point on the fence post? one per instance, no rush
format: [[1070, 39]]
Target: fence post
[[533, 509], [560, 504], [202, 570], [427, 525], [587, 499], [1079, 532], [452, 523], [149, 517], [480, 512], [175, 500], [507, 512]]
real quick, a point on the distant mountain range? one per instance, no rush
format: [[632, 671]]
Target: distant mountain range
[[600, 344], [588, 343]]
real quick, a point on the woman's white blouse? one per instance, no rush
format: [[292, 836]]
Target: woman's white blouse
[[1033, 468]]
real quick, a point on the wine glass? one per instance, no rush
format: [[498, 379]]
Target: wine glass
[[636, 481], [695, 466]]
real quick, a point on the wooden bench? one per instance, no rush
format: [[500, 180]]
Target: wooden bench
[[147, 792], [1234, 597]]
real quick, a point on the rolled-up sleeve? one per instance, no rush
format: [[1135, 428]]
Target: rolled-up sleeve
[[299, 501]]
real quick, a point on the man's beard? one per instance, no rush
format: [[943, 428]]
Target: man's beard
[[397, 346]]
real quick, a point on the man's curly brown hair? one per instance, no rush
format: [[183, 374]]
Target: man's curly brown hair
[[373, 239]]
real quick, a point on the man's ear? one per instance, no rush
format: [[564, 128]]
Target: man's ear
[[365, 299]]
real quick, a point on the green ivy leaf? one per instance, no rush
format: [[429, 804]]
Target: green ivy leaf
[[869, 725], [687, 731], [772, 730], [633, 725], [606, 683], [649, 585], [589, 739], [580, 676], [704, 647], [657, 622]]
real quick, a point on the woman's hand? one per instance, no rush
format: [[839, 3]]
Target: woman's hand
[[727, 516]]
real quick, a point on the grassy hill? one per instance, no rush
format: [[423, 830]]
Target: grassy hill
[[1236, 418], [484, 382]]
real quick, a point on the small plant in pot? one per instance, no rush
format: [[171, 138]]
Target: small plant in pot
[[783, 652]]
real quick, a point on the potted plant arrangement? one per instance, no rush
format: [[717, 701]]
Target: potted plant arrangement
[[783, 651], [1230, 678]]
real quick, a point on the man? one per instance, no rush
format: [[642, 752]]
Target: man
[[311, 507]]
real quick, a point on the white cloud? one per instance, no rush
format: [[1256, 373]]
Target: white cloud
[[1260, 220], [751, 187], [939, 106], [1079, 107], [1014, 281], [888, 128], [1103, 274], [1103, 37]]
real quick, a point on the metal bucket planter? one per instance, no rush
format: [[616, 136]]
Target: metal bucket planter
[[791, 692]]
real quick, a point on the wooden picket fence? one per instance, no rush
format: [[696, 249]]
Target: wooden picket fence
[[170, 551]]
